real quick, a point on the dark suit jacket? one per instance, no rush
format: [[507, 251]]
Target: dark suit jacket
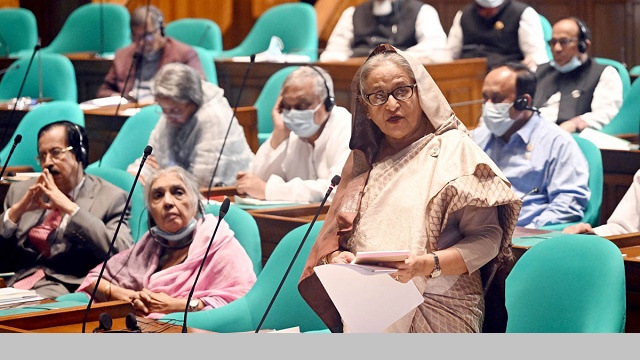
[[84, 243]]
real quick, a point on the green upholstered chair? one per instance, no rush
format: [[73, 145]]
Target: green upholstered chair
[[131, 140], [596, 185], [200, 32], [96, 27], [208, 66], [567, 284], [288, 310], [245, 230], [18, 31], [547, 30], [627, 120], [138, 220], [57, 78], [622, 71], [635, 71], [41, 115], [294, 23], [267, 99]]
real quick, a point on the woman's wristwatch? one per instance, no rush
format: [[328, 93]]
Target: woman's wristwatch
[[436, 266], [193, 305]]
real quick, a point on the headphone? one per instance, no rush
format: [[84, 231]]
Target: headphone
[[521, 104], [79, 151], [105, 322], [583, 35], [329, 101]]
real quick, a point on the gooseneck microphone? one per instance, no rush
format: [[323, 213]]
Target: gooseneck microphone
[[532, 191], [252, 59], [16, 141], [334, 182], [147, 152], [224, 208]]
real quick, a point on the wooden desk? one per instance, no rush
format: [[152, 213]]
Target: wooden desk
[[460, 81], [619, 167]]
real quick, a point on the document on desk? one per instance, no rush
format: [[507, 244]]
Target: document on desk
[[100, 102], [366, 297], [256, 202]]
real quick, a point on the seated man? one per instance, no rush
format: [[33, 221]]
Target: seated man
[[150, 49], [361, 28], [57, 227], [501, 31], [544, 164], [625, 218], [573, 90], [309, 143], [190, 133]]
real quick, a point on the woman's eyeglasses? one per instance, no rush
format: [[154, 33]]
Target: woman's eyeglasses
[[56, 153], [401, 93]]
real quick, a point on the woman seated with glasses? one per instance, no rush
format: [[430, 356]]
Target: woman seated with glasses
[[192, 128], [158, 272]]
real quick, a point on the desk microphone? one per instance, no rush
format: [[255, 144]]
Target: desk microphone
[[235, 109], [334, 182], [224, 208], [532, 191], [16, 141], [147, 152]]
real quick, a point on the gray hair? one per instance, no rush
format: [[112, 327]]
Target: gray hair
[[303, 72], [139, 16], [190, 185], [377, 60], [178, 82]]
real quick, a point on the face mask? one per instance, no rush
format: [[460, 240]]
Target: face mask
[[496, 117], [177, 236], [381, 8], [573, 64], [301, 121], [489, 3]]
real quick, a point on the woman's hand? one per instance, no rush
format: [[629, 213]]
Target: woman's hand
[[581, 228], [414, 265], [341, 257], [148, 301]]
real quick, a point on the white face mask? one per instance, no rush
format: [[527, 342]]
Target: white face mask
[[489, 3], [496, 117], [382, 7], [301, 122], [573, 64]]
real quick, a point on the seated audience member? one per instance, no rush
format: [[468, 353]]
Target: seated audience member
[[410, 25], [151, 49], [309, 143], [625, 218], [158, 272], [573, 90], [544, 164], [501, 31], [58, 226], [193, 125]]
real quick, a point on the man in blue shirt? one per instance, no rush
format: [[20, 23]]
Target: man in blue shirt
[[544, 164]]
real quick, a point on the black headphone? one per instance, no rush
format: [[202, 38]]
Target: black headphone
[[80, 151], [521, 104], [105, 322], [583, 35], [159, 18], [329, 101]]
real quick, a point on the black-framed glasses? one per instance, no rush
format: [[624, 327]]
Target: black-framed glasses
[[401, 93], [563, 41], [147, 36], [56, 153]]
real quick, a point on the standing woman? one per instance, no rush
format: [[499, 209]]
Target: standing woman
[[415, 180]]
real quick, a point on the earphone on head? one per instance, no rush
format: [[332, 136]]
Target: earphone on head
[[522, 103], [583, 35], [81, 152], [329, 101]]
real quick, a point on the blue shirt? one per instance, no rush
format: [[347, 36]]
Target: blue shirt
[[541, 155]]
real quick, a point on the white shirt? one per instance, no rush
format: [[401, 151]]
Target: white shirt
[[299, 171], [606, 102], [530, 37], [626, 217], [431, 38]]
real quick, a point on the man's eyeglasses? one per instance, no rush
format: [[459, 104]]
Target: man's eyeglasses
[[563, 42], [401, 93], [56, 153], [147, 36]]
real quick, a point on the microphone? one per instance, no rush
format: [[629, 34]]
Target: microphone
[[252, 59], [334, 182], [40, 93], [147, 152], [9, 68], [16, 141], [224, 208], [532, 191]]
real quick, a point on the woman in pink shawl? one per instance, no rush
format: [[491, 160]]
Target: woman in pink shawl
[[158, 272]]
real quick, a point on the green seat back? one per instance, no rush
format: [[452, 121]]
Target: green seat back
[[95, 27], [57, 78], [245, 230], [547, 31], [208, 67], [18, 31], [622, 71], [567, 284], [294, 23], [200, 32], [41, 115], [288, 310], [131, 140], [627, 120], [267, 99]]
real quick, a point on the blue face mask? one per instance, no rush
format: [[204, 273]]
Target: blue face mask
[[301, 122], [573, 64]]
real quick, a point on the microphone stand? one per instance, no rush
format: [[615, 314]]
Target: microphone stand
[[147, 152], [16, 141], [235, 109], [334, 182], [224, 208]]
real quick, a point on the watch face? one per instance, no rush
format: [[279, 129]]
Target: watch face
[[193, 305], [436, 273]]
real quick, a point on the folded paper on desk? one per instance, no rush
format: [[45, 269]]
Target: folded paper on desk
[[252, 201], [100, 102], [366, 297], [11, 295], [605, 141]]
